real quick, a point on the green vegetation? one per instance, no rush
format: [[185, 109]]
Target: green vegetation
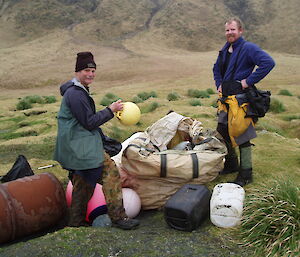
[[285, 92], [119, 134], [108, 99], [210, 91], [214, 103], [195, 102], [42, 150], [142, 55], [291, 117], [195, 93], [23, 105], [173, 96], [26, 102], [271, 127], [146, 95], [137, 100], [271, 219], [276, 106], [50, 99], [34, 99], [150, 107]]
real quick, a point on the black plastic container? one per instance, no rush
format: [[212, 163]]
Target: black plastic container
[[188, 207]]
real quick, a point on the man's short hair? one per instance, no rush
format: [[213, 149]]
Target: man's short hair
[[237, 20]]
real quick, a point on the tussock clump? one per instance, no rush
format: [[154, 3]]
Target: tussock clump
[[137, 100], [150, 108], [108, 99], [195, 93], [111, 96], [173, 96], [210, 91], [23, 104], [50, 99], [195, 102], [146, 95], [271, 220], [291, 117], [285, 92], [26, 102], [276, 106], [35, 99]]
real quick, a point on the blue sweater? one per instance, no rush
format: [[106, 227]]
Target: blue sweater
[[250, 56]]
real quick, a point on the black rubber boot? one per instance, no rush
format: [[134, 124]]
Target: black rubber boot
[[244, 177], [231, 164], [126, 223], [245, 173]]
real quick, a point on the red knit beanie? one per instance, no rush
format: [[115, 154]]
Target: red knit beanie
[[84, 60]]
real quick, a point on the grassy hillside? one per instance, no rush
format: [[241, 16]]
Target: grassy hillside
[[165, 46], [32, 132]]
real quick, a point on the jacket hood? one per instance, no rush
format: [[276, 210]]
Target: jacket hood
[[64, 87]]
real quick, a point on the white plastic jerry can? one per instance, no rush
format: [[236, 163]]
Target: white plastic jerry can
[[226, 205]]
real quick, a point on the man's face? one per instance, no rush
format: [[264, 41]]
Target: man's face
[[86, 76], [232, 32]]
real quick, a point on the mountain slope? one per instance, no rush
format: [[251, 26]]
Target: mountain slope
[[39, 39], [190, 24]]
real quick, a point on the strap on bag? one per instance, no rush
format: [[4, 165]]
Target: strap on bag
[[139, 147], [163, 165], [195, 165]]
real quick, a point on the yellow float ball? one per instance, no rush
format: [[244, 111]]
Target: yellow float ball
[[130, 114]]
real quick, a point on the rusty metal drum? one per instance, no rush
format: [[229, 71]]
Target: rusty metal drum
[[29, 205]]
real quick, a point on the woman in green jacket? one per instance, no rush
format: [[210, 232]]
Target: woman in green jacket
[[79, 147]]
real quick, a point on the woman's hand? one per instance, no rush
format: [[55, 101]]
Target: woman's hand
[[116, 106]]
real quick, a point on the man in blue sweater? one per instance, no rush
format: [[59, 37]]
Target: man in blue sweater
[[79, 147], [234, 72]]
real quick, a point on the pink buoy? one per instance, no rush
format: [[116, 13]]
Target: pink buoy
[[96, 205]]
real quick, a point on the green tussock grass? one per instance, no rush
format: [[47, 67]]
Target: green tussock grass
[[173, 96], [277, 106], [210, 91], [28, 101], [119, 133], [23, 105], [137, 100], [291, 117], [271, 219], [50, 99], [146, 95], [195, 93], [285, 92], [150, 107], [195, 102], [108, 99]]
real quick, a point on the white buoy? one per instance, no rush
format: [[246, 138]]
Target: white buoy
[[226, 205], [132, 202]]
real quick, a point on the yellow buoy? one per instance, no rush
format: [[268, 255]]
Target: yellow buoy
[[130, 114]]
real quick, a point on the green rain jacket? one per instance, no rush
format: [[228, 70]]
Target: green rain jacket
[[79, 145]]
